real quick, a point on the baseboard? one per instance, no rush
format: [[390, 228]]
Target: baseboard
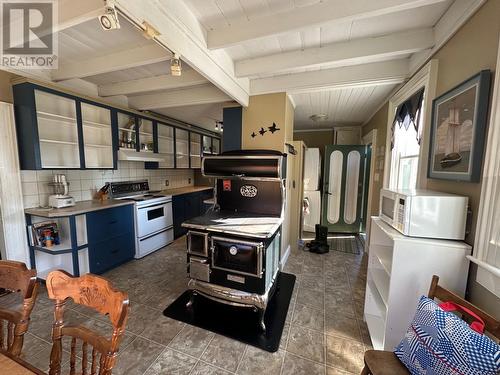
[[284, 258]]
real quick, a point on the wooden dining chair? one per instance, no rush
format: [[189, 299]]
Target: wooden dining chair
[[379, 362], [20, 290], [98, 294]]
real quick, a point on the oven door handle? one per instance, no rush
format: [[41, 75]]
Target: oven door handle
[[153, 206]]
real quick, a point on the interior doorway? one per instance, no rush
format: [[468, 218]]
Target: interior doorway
[[345, 188]]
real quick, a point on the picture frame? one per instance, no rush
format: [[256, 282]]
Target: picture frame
[[458, 130]]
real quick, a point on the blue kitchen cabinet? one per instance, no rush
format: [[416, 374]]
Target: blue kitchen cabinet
[[111, 238], [89, 241], [187, 206], [56, 130], [59, 130]]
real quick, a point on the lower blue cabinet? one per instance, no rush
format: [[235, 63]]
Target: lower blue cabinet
[[111, 236], [187, 206]]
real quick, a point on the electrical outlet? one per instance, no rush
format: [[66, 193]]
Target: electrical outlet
[[189, 180], [167, 182]]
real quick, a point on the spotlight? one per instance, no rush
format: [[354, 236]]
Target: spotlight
[[109, 20], [219, 125], [176, 65]]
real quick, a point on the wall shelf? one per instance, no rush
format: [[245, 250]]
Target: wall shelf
[[59, 142]]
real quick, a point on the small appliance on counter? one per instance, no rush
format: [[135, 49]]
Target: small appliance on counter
[[425, 213], [234, 251], [60, 198]]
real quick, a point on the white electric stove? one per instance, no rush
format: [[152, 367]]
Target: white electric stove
[[153, 215]]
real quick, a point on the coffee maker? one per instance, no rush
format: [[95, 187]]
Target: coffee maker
[[60, 198]]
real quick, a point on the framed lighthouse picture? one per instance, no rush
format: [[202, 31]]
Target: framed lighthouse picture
[[459, 119]]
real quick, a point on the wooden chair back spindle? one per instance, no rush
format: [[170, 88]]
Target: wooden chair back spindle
[[97, 293], [18, 281]]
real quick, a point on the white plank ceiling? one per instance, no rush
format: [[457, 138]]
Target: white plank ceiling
[[346, 67]]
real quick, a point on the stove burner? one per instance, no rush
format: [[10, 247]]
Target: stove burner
[[133, 199]]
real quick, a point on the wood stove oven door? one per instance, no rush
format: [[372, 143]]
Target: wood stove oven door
[[237, 256]]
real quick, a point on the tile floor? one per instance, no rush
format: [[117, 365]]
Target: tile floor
[[324, 332]]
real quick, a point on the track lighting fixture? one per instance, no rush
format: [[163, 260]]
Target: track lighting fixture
[[109, 20], [176, 65], [219, 125], [149, 32]]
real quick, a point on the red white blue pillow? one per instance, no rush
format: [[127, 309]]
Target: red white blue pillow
[[440, 343]]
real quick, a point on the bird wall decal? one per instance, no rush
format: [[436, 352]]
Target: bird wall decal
[[262, 131], [273, 128], [253, 135]]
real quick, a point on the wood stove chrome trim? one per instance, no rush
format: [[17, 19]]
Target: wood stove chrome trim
[[205, 251], [229, 296], [259, 246]]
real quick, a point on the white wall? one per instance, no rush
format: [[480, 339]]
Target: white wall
[[85, 183]]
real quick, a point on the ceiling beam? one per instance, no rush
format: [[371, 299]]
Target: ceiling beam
[[305, 17], [203, 94], [357, 51], [148, 54], [157, 83], [457, 14], [181, 31], [381, 73], [72, 13]]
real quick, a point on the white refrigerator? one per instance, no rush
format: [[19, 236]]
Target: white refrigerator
[[312, 194]]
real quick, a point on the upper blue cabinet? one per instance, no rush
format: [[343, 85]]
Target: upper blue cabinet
[[57, 130]]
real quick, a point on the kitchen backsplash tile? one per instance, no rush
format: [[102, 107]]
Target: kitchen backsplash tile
[[84, 184]]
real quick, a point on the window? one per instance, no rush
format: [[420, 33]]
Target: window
[[405, 142], [486, 253]]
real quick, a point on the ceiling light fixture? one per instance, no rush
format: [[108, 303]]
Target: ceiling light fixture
[[176, 65], [109, 20], [319, 117]]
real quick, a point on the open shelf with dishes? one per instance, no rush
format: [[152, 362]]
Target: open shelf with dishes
[[146, 135]]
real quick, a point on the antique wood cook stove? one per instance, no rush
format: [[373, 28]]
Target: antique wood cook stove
[[234, 249]]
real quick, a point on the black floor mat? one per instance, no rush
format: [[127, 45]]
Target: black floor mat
[[238, 323]]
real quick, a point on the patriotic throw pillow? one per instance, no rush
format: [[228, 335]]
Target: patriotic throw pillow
[[440, 343]]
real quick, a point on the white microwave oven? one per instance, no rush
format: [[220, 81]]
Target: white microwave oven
[[425, 213]]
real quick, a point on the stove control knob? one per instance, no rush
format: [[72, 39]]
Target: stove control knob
[[233, 250]]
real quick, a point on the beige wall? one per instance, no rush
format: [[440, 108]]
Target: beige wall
[[261, 112], [5, 86], [378, 122], [473, 48], [315, 139]]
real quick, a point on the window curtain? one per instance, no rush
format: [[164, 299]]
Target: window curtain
[[408, 114]]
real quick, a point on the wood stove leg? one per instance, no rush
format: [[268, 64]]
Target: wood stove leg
[[262, 313], [191, 300]]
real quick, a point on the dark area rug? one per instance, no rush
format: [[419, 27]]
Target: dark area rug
[[351, 244], [238, 323]]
